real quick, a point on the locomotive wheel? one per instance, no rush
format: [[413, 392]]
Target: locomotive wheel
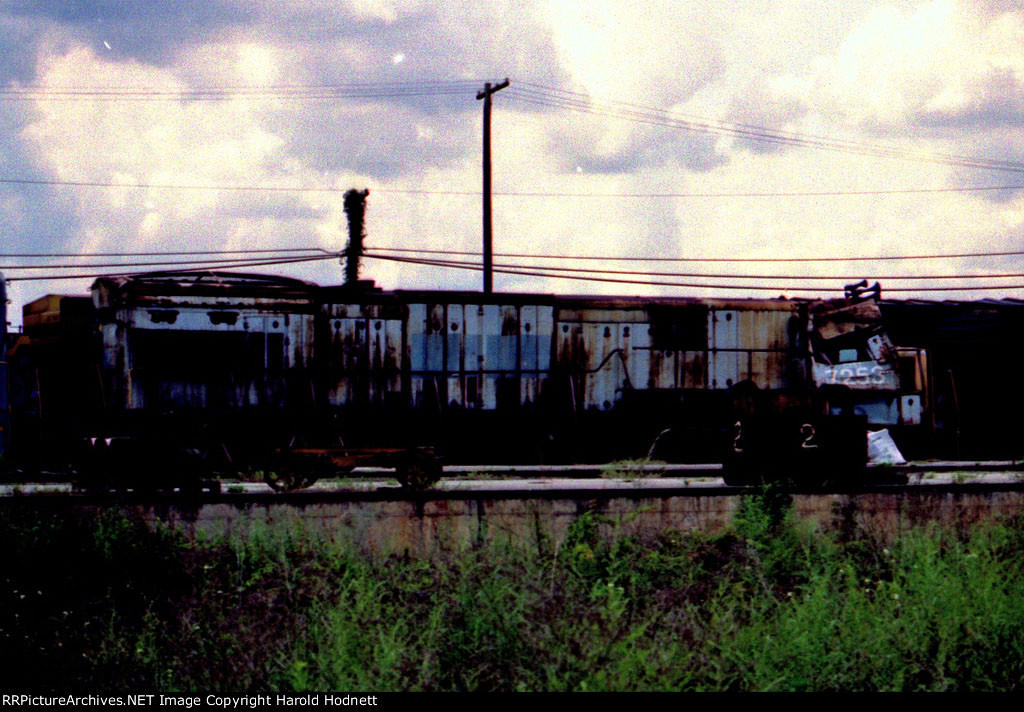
[[285, 480], [284, 473], [419, 472], [735, 477], [732, 479]]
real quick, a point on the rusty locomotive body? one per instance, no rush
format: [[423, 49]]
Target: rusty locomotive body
[[232, 369]]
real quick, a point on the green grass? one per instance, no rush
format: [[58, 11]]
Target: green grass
[[104, 602], [632, 469]]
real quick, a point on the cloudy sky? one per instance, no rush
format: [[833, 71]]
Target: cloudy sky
[[641, 129]]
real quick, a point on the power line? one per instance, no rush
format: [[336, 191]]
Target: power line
[[585, 99], [509, 194], [198, 268], [179, 186], [561, 99], [248, 87], [700, 275], [614, 258], [517, 255], [531, 271], [609, 280], [759, 194], [160, 263], [161, 253], [353, 90], [525, 91]]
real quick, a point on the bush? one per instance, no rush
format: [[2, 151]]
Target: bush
[[767, 605]]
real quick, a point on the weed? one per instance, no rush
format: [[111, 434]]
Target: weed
[[766, 605], [630, 470]]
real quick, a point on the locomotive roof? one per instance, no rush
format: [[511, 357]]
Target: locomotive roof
[[342, 294], [205, 279], [225, 283]]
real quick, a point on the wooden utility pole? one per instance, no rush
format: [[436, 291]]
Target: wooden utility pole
[[488, 256]]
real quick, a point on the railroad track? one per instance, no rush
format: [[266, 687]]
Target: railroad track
[[573, 481]]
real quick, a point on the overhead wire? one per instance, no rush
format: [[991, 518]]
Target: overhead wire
[[729, 125], [659, 117], [162, 253], [658, 283], [500, 193], [349, 90], [577, 274], [580, 270], [197, 268], [518, 255], [159, 263], [620, 258], [559, 98], [524, 91]]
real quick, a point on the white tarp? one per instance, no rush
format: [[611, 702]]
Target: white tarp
[[882, 450]]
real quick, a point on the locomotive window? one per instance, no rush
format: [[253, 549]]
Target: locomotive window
[[679, 329], [275, 354], [908, 372], [201, 355]]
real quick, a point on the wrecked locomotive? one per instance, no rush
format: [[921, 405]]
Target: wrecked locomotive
[[244, 371]]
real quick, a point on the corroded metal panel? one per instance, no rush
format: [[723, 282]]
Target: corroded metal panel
[[607, 315], [724, 367], [570, 360], [348, 362], [545, 332], [491, 364], [529, 358], [455, 359], [508, 388], [693, 371], [536, 332], [746, 345], [385, 337], [203, 353], [662, 370], [636, 341], [766, 334], [426, 350], [604, 368], [473, 344], [417, 347], [911, 410], [605, 354], [884, 411]]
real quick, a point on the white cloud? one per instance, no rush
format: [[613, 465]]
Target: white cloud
[[927, 76]]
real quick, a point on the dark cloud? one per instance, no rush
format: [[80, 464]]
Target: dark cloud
[[758, 108], [257, 205], [32, 218], [150, 32], [323, 44], [648, 149], [486, 41], [996, 101], [395, 141], [447, 40]]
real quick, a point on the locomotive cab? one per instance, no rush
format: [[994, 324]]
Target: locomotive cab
[[860, 381]]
